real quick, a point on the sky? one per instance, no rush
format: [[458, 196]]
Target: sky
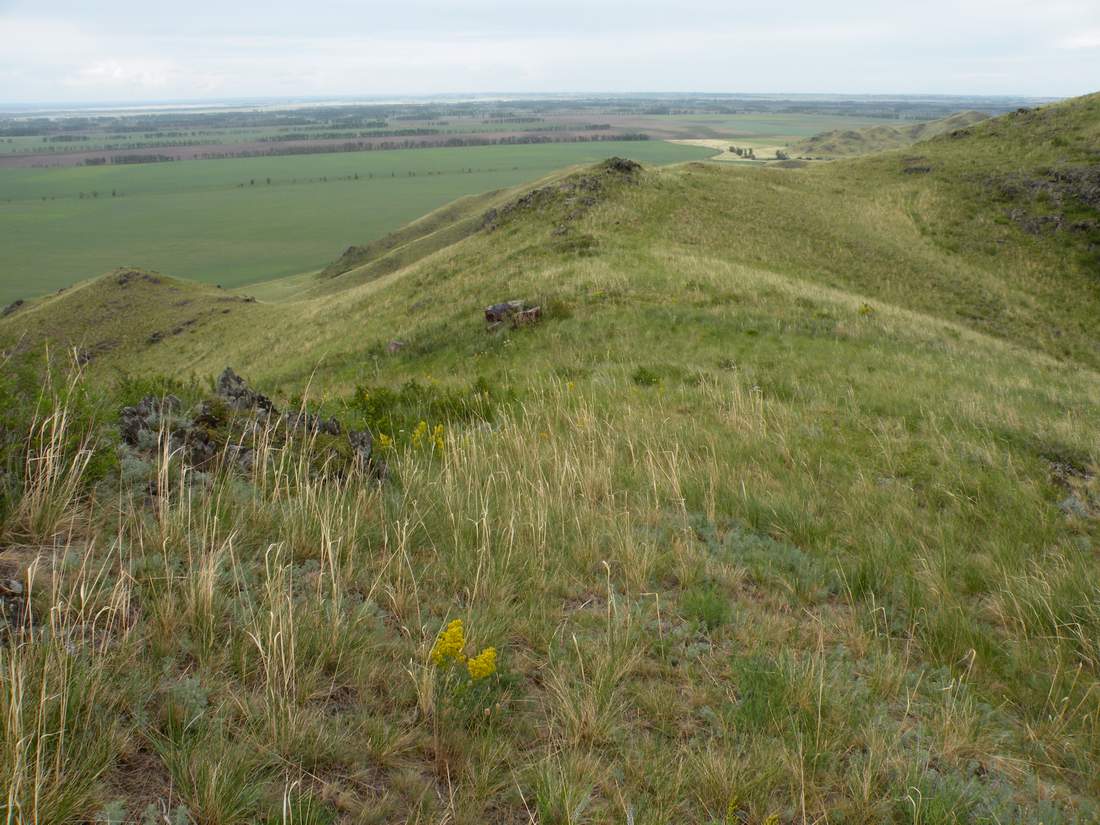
[[82, 51]]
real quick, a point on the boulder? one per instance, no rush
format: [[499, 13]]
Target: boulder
[[515, 312], [496, 313], [235, 392]]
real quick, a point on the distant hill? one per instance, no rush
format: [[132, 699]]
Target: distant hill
[[849, 142]]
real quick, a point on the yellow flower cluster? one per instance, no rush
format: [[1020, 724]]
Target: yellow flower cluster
[[384, 441], [483, 664], [450, 644], [421, 435]]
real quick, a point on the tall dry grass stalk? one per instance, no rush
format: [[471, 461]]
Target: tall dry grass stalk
[[58, 448]]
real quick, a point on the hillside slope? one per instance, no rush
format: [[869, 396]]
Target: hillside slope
[[850, 142], [786, 510], [994, 228]]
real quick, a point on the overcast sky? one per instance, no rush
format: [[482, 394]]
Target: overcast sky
[[139, 50]]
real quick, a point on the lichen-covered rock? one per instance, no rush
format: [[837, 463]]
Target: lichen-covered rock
[[233, 389], [622, 166], [578, 193], [13, 605], [225, 430], [146, 416], [496, 313], [306, 422], [516, 312]]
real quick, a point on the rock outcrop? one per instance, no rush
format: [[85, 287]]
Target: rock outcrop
[[226, 428]]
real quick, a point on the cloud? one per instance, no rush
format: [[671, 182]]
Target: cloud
[[125, 50], [1083, 40], [141, 74]]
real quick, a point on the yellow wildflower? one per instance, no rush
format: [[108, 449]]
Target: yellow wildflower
[[419, 433], [384, 441], [483, 664], [449, 644], [569, 385], [437, 437]]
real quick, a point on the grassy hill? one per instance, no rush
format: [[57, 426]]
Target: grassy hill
[[785, 511], [878, 138]]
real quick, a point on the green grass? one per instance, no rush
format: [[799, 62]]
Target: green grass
[[766, 518], [849, 140], [194, 219]]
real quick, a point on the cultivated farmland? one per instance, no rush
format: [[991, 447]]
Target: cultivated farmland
[[237, 221]]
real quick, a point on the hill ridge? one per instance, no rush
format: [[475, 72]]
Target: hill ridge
[[852, 142]]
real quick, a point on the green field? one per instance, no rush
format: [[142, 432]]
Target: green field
[[782, 127], [208, 221]]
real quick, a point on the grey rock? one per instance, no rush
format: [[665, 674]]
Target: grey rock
[[363, 444], [1074, 506], [145, 417], [515, 312], [11, 587], [235, 391], [310, 423], [496, 313]]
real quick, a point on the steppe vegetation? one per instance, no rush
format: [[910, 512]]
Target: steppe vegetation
[[233, 196], [786, 511], [879, 138]]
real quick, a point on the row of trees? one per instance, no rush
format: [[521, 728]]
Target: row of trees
[[750, 154]]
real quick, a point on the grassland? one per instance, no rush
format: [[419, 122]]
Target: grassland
[[220, 221], [786, 512], [846, 142]]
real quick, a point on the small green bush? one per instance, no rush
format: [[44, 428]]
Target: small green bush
[[646, 377]]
